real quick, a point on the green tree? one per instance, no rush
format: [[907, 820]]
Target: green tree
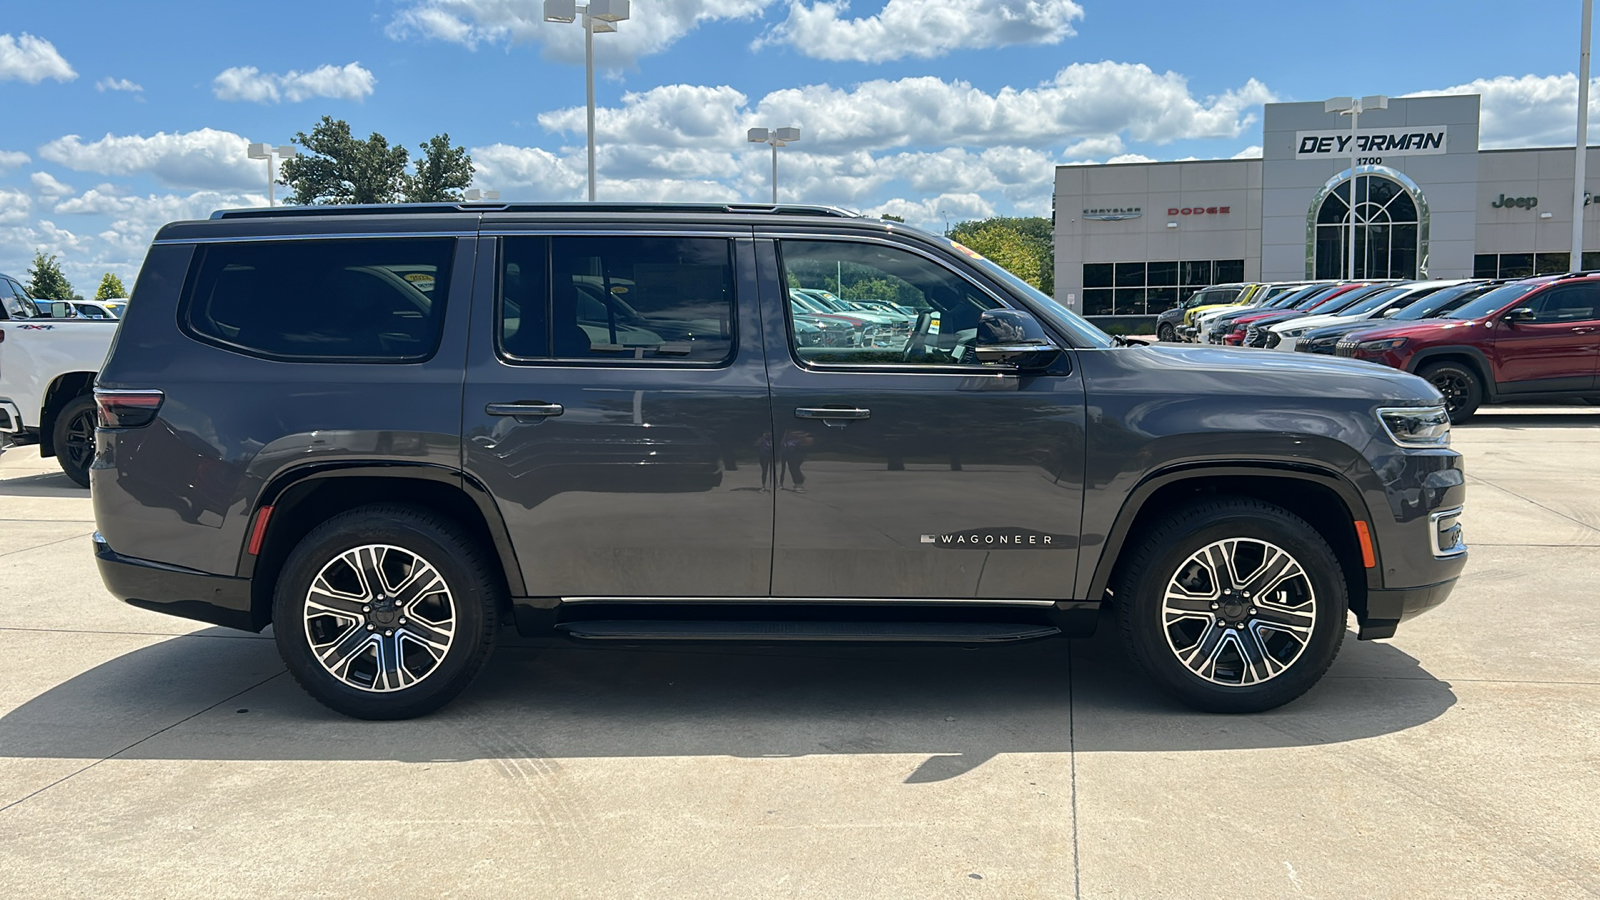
[[442, 172], [340, 168], [110, 288], [1025, 247], [893, 218], [47, 280]]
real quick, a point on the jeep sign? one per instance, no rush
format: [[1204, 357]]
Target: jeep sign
[[1428, 140]]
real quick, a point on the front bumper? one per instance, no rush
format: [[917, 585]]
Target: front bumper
[[176, 591], [10, 418], [1386, 609]]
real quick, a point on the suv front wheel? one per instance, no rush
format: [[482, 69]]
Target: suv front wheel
[[1234, 605], [386, 611], [1460, 385]]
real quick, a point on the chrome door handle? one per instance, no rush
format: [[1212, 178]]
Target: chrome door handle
[[525, 409], [837, 413], [1583, 329]]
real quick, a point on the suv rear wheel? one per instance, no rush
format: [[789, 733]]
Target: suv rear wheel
[[386, 611], [1234, 605], [1166, 332], [1460, 385]]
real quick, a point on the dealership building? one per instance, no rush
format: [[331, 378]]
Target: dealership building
[[1137, 238]]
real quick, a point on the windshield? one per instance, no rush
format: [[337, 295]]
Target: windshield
[[1295, 298], [1441, 302], [1494, 300], [1083, 333], [1375, 301]]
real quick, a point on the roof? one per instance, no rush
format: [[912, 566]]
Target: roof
[[478, 208]]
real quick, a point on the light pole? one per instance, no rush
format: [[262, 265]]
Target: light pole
[[777, 137], [268, 153], [1583, 138], [1354, 107], [599, 17]]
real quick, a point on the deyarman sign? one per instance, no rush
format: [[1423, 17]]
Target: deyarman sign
[[1413, 141]]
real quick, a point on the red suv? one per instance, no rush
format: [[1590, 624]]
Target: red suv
[[1537, 339]]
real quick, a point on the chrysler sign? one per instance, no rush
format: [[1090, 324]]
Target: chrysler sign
[[1427, 140]]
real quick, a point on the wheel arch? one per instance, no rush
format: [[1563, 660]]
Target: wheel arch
[[1329, 502], [67, 387], [1471, 356], [304, 497]]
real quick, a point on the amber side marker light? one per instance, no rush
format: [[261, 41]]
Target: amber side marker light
[[1364, 536]]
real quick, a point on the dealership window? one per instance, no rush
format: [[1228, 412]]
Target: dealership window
[[1146, 288], [1387, 230], [1526, 265]]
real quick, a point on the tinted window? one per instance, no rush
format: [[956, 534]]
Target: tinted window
[[618, 298], [1567, 303], [1441, 302], [936, 324], [358, 300]]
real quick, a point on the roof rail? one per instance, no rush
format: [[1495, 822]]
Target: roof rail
[[516, 207], [1583, 274]]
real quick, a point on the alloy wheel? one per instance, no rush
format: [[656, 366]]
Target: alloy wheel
[[379, 618], [79, 449], [1454, 386], [1239, 612]]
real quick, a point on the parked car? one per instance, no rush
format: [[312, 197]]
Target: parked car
[[1536, 339], [387, 474], [1254, 332], [47, 369], [1376, 304], [1206, 322], [1324, 340], [1230, 328], [98, 309], [1169, 321]]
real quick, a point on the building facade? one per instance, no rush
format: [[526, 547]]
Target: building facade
[[1137, 238]]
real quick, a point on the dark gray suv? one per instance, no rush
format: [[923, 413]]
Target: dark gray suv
[[391, 431]]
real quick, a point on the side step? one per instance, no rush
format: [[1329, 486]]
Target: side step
[[913, 632]]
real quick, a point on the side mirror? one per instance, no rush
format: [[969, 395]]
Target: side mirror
[[1520, 314], [60, 310], [1388, 312], [1011, 337]]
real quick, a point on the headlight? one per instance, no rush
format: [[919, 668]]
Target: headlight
[[1379, 346], [1294, 332], [1417, 426]]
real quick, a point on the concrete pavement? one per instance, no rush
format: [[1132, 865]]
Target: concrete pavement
[[145, 756]]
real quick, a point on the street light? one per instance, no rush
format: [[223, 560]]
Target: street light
[[1352, 107], [777, 137], [268, 153], [599, 17], [1578, 192]]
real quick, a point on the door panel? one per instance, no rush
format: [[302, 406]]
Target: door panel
[[931, 480], [1558, 350], [624, 456]]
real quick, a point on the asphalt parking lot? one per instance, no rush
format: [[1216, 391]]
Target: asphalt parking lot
[[143, 757]]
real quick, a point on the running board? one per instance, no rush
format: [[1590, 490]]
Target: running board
[[912, 632]]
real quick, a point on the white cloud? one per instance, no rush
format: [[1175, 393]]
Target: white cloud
[[936, 213], [349, 82], [48, 186], [14, 206], [1086, 102], [528, 173], [1129, 158], [921, 28], [31, 59], [117, 84], [653, 27], [188, 159], [1527, 110], [1251, 152], [10, 159]]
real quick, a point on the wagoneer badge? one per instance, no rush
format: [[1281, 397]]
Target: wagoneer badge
[[1001, 539]]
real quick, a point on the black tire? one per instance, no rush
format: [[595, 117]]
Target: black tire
[[1164, 553], [473, 592], [1460, 385], [1165, 332], [74, 438]]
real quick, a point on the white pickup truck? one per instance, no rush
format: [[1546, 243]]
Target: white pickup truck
[[47, 369]]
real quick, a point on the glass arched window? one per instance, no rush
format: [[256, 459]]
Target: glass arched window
[[1390, 221]]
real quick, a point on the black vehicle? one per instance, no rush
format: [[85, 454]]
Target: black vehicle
[[1323, 340], [388, 431]]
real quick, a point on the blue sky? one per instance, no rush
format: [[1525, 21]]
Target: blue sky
[[116, 117]]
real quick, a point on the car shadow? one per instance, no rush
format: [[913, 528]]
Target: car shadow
[[49, 484], [1490, 418], [551, 699]]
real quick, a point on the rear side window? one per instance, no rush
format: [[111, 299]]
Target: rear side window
[[617, 298], [357, 300]]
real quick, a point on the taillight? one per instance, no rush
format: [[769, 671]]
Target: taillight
[[127, 409]]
